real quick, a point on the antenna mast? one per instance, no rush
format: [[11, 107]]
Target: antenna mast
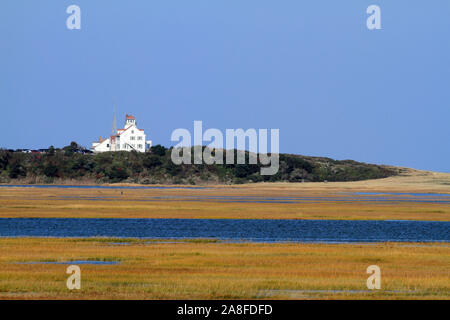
[[114, 125]]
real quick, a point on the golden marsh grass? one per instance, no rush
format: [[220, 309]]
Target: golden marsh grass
[[135, 203], [216, 270], [200, 269]]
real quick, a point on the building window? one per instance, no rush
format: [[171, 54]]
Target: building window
[[124, 146], [132, 131], [140, 138], [139, 146], [132, 138]]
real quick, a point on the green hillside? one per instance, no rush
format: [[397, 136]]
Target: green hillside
[[71, 163]]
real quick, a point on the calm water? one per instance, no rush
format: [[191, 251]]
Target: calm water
[[256, 199], [230, 229], [45, 186], [404, 194]]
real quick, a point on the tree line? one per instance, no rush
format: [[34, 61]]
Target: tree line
[[72, 164]]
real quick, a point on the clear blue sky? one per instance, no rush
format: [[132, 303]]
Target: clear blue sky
[[310, 68]]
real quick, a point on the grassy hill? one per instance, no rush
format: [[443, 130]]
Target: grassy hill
[[156, 167]]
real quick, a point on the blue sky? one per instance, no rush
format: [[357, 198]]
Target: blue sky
[[310, 68]]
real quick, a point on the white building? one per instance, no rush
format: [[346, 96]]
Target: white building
[[127, 139]]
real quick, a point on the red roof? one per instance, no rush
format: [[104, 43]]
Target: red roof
[[100, 141], [123, 130], [129, 116]]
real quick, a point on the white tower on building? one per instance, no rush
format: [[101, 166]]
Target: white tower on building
[[127, 139]]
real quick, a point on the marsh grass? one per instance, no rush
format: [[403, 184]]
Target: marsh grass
[[203, 270], [211, 269], [32, 203]]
